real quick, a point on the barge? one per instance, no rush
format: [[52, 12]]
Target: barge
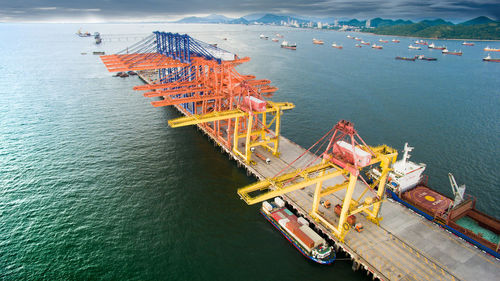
[[297, 231], [408, 186]]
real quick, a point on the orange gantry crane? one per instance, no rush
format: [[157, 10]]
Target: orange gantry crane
[[201, 81]]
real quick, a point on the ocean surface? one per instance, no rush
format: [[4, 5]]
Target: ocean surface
[[95, 185]]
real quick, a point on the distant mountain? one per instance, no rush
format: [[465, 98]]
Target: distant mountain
[[436, 22], [252, 17], [378, 22], [275, 19], [208, 19], [478, 20], [241, 20], [353, 22]]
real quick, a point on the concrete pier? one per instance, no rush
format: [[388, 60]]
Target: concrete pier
[[405, 246]]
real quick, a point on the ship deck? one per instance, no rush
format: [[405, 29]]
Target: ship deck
[[405, 246]]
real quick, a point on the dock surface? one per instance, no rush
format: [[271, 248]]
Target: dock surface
[[405, 246]]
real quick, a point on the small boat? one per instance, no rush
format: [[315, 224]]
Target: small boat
[[98, 53], [357, 39], [335, 45], [447, 52], [383, 41], [83, 34], [98, 40], [287, 45], [224, 38], [297, 231], [421, 42], [131, 72], [318, 42], [489, 58], [275, 40], [414, 47], [433, 46], [405, 58], [121, 74], [365, 43], [279, 35], [468, 43], [358, 45], [213, 44], [375, 46], [262, 36], [350, 37], [422, 57], [488, 49], [395, 41]]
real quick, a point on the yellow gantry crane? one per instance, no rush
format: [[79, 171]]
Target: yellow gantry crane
[[345, 156]]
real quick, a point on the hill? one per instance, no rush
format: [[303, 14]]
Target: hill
[[208, 19], [443, 29], [478, 20]]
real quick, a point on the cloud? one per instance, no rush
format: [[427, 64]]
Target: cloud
[[153, 9]]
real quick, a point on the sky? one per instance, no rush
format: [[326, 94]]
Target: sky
[[168, 10]]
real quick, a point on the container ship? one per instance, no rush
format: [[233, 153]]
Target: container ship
[[297, 231], [407, 185]]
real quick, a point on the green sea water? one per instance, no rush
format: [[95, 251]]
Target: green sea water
[[95, 185]]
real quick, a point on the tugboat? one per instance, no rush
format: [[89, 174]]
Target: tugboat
[[275, 40], [447, 52], [287, 45], [395, 41], [383, 41], [375, 46], [297, 231], [407, 185], [489, 58], [350, 37], [365, 43], [334, 45]]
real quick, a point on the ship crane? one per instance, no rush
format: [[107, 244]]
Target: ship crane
[[201, 81], [458, 191], [345, 155]]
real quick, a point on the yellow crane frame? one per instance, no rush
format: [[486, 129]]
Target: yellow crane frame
[[316, 175]]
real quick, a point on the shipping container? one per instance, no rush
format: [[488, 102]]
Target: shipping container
[[283, 222], [351, 220], [279, 202], [318, 240], [338, 209], [305, 239], [254, 103], [288, 212], [345, 150], [428, 200], [303, 221], [267, 206]]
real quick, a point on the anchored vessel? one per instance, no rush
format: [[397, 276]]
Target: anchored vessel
[[407, 185], [287, 45], [489, 58], [297, 231]]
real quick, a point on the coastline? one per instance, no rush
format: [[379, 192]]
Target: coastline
[[433, 38]]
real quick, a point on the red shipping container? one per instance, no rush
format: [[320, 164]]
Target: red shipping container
[[351, 220], [304, 238], [338, 209]]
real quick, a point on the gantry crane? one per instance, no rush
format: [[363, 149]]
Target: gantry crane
[[201, 81], [345, 156]]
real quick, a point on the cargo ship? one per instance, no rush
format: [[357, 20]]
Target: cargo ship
[[414, 47], [447, 52], [433, 46], [406, 58], [395, 41], [407, 185], [297, 231], [489, 58], [375, 46], [422, 57], [318, 42], [336, 46], [287, 45], [468, 44], [488, 49]]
